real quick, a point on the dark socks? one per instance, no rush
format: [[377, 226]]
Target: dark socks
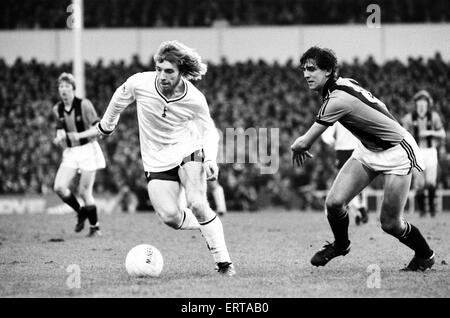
[[91, 213], [412, 238], [420, 200], [72, 201], [364, 214], [339, 222], [431, 196]]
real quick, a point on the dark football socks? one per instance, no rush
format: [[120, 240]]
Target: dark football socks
[[431, 197], [339, 222], [412, 238], [91, 213], [72, 201], [420, 200]]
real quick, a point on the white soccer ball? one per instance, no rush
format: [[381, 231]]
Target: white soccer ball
[[144, 260]]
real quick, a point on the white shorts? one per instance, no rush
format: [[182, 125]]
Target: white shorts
[[430, 158], [398, 160], [162, 158], [88, 157]]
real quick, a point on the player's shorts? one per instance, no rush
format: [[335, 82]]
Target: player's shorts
[[342, 156], [430, 158], [398, 160], [87, 157], [172, 174]]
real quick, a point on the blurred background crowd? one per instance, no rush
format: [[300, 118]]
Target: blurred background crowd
[[195, 13], [248, 94]]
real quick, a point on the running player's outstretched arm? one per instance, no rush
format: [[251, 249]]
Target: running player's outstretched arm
[[210, 140], [303, 143], [331, 111], [91, 116], [123, 96], [60, 132]]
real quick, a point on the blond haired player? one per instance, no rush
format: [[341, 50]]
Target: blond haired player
[[426, 126], [177, 163]]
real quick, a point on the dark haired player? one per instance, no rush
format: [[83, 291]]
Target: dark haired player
[[384, 147]]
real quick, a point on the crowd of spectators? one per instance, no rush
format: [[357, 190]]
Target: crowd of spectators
[[252, 94], [45, 14]]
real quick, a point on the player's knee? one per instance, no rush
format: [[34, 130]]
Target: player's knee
[[170, 217], [197, 206], [172, 222], [391, 225], [86, 195], [61, 190], [334, 203], [392, 228]]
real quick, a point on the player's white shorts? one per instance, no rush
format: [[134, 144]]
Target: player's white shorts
[[430, 158], [159, 158], [398, 160], [88, 157]]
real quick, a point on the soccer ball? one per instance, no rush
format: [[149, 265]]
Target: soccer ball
[[144, 260]]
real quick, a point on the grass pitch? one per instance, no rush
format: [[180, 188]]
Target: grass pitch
[[271, 251]]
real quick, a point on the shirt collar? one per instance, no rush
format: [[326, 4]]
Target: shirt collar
[[327, 87]]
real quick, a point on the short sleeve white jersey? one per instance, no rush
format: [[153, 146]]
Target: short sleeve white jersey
[[169, 129], [339, 137]]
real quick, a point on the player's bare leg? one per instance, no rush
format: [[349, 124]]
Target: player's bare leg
[[89, 210], [64, 177], [193, 178], [363, 210], [219, 197], [350, 181], [169, 204], [357, 207], [392, 222]]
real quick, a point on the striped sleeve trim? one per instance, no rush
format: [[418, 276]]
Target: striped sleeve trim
[[103, 131], [322, 122], [411, 156], [324, 105]]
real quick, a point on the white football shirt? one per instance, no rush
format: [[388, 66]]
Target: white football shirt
[[339, 137], [165, 140]]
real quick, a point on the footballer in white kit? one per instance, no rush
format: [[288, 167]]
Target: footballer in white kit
[[166, 126], [179, 143]]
